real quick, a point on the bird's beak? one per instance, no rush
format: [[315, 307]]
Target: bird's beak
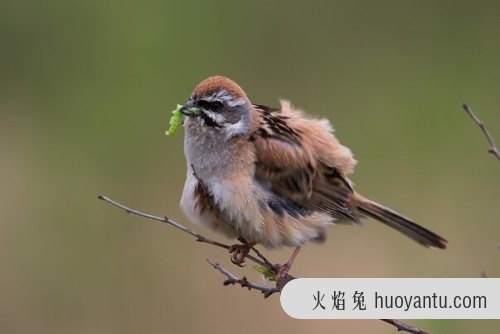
[[190, 109]]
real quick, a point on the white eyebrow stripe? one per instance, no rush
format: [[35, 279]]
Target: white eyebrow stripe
[[234, 103], [224, 96]]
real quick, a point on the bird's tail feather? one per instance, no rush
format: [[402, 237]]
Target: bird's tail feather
[[398, 222]]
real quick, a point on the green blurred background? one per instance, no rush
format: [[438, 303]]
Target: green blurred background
[[86, 89]]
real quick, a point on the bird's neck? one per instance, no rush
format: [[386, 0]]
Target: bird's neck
[[212, 159]]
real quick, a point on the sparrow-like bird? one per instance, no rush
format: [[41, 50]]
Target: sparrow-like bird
[[271, 177]]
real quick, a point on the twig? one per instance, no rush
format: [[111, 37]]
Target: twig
[[262, 257], [493, 147], [269, 290], [233, 279], [402, 327], [257, 252], [243, 282], [199, 237]]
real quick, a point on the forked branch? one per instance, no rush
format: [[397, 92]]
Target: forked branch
[[243, 282], [493, 147], [232, 279]]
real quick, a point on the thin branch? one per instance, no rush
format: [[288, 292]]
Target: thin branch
[[493, 147], [243, 282], [262, 257], [231, 278], [269, 290], [402, 327], [257, 252], [171, 222]]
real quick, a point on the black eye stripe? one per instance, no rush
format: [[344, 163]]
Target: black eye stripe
[[210, 105]]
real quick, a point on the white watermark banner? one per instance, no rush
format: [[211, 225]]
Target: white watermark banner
[[392, 298]]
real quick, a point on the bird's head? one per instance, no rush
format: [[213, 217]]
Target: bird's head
[[218, 105]]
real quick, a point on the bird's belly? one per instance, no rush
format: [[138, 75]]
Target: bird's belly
[[230, 208], [201, 210], [235, 212]]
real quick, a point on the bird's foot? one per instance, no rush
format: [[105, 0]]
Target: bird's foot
[[239, 252], [282, 270], [282, 276]]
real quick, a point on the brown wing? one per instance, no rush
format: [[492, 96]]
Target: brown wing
[[300, 161]]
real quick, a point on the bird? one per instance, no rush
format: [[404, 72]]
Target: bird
[[271, 176]]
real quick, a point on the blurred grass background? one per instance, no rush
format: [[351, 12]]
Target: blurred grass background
[[86, 88]]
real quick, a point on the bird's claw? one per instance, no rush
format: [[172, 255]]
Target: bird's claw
[[239, 252]]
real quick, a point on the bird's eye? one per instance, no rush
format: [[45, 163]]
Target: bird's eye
[[210, 105], [215, 105]]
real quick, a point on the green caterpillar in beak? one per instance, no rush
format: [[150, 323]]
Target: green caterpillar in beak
[[176, 119]]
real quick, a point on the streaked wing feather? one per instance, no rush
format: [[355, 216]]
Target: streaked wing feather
[[293, 171]]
